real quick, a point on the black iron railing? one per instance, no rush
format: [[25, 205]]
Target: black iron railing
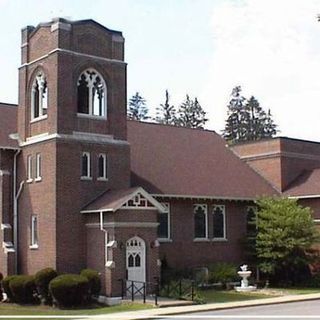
[[180, 289], [133, 289]]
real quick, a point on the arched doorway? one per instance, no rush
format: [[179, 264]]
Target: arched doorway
[[136, 259]]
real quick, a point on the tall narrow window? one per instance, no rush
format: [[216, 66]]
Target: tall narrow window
[[164, 223], [219, 225], [92, 94], [102, 167], [39, 97], [251, 223], [34, 232], [29, 168], [85, 166], [200, 221], [38, 167]]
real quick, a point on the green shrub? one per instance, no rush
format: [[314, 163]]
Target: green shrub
[[42, 280], [94, 280], [69, 290], [222, 272], [23, 289], [6, 288]]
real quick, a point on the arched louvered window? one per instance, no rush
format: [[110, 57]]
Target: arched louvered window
[[39, 97], [92, 94]]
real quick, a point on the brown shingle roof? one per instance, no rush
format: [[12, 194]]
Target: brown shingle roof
[[189, 162], [306, 184], [8, 124]]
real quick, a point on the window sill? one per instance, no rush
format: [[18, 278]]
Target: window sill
[[29, 181], [91, 116], [86, 178], [102, 179], [165, 240], [201, 240], [38, 179], [39, 118], [34, 247], [219, 240]]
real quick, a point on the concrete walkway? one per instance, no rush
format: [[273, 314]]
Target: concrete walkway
[[158, 312]]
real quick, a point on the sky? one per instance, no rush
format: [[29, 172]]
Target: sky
[[204, 48]]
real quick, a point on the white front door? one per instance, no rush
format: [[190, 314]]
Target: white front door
[[136, 261]]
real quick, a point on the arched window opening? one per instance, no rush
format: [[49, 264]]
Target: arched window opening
[[85, 165], [251, 220], [91, 94], [219, 231], [102, 167], [39, 97], [200, 221]]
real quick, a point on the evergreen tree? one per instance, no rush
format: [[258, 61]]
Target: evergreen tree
[[270, 127], [246, 120], [191, 114], [235, 126], [166, 113], [137, 108]]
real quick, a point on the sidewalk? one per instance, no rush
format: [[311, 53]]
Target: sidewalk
[[158, 312]]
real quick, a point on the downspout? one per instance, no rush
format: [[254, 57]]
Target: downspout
[[16, 196], [105, 237]]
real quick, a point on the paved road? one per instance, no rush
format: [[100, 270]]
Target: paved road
[[286, 311]]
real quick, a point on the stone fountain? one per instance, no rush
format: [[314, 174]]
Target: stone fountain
[[244, 273]]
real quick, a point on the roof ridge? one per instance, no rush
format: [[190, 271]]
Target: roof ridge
[[173, 126]]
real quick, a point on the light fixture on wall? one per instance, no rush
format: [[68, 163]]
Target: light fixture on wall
[[155, 244]]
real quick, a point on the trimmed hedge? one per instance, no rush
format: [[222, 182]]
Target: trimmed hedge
[[69, 290], [6, 288], [23, 289], [94, 280], [42, 280]]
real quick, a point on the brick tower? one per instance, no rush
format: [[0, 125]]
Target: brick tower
[[72, 135]]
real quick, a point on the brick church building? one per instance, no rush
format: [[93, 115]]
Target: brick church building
[[80, 186]]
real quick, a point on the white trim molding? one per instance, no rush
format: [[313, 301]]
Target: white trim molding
[[72, 53], [76, 136], [202, 197], [310, 196], [124, 225]]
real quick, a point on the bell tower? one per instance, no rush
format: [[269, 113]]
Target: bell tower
[[72, 134], [72, 79]]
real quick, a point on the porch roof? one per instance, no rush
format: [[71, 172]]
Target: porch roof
[[113, 200]]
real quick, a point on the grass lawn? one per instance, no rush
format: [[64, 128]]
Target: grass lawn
[[297, 290], [15, 309], [212, 296]]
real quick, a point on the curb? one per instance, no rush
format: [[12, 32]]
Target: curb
[[171, 311]]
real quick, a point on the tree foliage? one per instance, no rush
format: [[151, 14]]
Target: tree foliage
[[246, 119], [137, 108], [284, 237], [190, 114], [166, 113]]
